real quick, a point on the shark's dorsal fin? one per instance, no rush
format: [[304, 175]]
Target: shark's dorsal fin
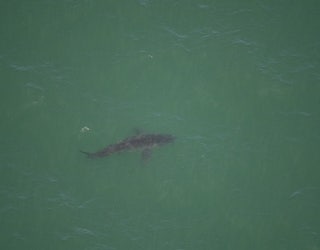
[[137, 131]]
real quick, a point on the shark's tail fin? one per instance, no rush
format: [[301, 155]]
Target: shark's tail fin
[[89, 155]]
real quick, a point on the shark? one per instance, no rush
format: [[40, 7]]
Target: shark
[[144, 142]]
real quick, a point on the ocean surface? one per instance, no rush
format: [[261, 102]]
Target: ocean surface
[[236, 82]]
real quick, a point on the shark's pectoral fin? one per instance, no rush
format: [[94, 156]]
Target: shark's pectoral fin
[[146, 154]]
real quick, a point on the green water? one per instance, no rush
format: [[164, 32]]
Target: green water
[[237, 82]]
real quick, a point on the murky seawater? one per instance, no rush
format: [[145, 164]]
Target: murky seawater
[[236, 83]]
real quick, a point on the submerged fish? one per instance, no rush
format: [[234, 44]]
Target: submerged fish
[[145, 142]]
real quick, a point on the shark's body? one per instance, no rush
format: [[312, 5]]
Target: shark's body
[[143, 141]]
